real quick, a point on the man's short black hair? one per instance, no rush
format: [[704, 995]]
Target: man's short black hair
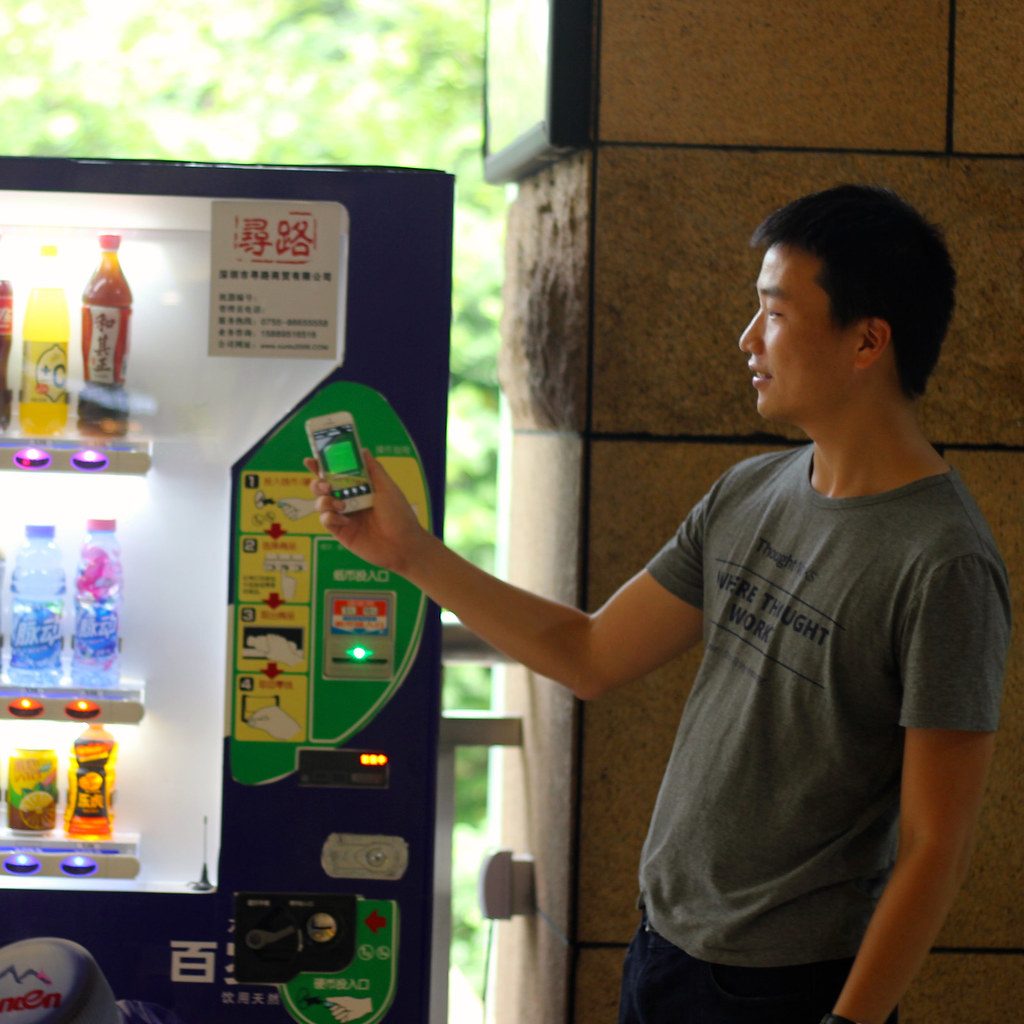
[[879, 257]]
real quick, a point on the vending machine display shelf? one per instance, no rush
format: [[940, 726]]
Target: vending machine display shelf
[[121, 705], [26, 856], [86, 455]]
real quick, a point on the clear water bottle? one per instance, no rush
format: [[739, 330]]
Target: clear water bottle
[[95, 658], [37, 610]]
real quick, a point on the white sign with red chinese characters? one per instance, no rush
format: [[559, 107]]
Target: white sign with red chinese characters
[[277, 278]]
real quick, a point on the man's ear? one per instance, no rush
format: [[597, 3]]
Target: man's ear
[[874, 339]]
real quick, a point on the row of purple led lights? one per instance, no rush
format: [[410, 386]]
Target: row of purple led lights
[[88, 460], [77, 864]]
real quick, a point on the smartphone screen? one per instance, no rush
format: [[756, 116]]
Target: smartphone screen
[[340, 456], [338, 451]]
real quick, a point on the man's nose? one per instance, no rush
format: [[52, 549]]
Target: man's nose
[[751, 335]]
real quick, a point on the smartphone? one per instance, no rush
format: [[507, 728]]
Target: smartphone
[[335, 445]]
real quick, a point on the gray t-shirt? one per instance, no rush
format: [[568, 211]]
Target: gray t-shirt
[[829, 624]]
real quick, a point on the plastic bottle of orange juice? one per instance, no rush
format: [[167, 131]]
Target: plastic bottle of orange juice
[[90, 812], [43, 402]]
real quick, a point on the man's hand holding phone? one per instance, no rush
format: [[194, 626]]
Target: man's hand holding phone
[[334, 442], [386, 534]]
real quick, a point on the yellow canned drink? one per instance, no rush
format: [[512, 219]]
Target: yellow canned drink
[[32, 790]]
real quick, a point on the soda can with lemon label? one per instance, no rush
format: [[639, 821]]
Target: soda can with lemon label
[[32, 791]]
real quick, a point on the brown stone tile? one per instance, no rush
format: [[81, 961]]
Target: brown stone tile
[[866, 75], [966, 988], [666, 480], [983, 915], [597, 986], [627, 738], [627, 735], [988, 113], [675, 285], [545, 314]]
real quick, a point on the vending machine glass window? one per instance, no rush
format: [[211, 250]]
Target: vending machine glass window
[[195, 415]]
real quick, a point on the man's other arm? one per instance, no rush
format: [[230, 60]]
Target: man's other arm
[[944, 774]]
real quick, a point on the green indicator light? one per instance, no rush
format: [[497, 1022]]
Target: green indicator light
[[359, 653]]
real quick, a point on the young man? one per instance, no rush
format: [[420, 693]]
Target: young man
[[817, 812]]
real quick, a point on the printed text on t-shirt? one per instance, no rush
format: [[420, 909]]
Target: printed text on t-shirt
[[785, 561], [759, 608]]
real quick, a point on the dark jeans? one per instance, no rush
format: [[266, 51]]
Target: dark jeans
[[663, 985]]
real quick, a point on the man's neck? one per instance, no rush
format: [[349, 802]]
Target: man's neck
[[876, 454]]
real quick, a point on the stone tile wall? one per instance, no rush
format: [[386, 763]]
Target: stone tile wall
[[629, 281]]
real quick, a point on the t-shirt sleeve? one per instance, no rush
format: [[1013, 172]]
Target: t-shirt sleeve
[[679, 565], [953, 647]]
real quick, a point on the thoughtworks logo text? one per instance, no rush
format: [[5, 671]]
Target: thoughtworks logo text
[[786, 561]]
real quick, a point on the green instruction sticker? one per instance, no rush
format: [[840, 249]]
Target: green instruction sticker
[[320, 639]]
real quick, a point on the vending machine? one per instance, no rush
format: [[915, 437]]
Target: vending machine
[[219, 793]]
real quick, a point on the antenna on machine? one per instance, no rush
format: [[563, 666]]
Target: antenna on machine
[[204, 884]]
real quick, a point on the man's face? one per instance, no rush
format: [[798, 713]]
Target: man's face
[[800, 360]]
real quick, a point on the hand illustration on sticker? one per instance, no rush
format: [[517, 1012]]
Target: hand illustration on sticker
[[275, 722], [346, 1008], [297, 508], [293, 508], [272, 647]]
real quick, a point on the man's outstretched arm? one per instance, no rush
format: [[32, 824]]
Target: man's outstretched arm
[[639, 628]]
